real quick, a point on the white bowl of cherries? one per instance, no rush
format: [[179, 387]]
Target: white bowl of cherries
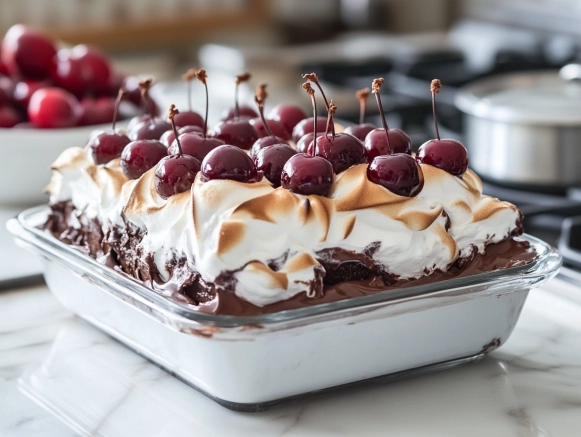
[[51, 100]]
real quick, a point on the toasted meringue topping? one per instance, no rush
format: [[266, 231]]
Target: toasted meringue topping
[[224, 226]]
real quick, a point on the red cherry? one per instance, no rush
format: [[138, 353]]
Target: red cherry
[[399, 173], [448, 155], [238, 132], [246, 112], [195, 145], [376, 143], [97, 70], [263, 142], [175, 174], [3, 69], [342, 151], [276, 127], [70, 73], [169, 136], [107, 146], [360, 130], [23, 91], [53, 108], [8, 117], [288, 115], [97, 111], [306, 126], [27, 53], [5, 98], [7, 85], [271, 160], [132, 90], [189, 118], [140, 156], [148, 129], [229, 162], [305, 141], [306, 174]]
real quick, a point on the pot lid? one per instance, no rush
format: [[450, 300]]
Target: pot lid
[[547, 97]]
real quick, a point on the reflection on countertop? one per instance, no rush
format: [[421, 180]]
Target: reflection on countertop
[[96, 386]]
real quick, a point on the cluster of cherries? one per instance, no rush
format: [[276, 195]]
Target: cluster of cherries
[[45, 88], [181, 146]]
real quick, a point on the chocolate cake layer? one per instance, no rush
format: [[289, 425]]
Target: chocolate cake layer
[[346, 274]]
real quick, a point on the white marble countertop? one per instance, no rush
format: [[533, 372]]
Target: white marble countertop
[[88, 384]]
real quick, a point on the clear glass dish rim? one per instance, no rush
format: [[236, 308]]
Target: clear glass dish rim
[[546, 265]]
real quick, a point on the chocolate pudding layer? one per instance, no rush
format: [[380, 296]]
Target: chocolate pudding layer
[[344, 274]]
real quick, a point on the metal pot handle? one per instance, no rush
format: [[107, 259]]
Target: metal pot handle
[[571, 73]]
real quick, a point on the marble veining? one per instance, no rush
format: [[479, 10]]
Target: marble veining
[[88, 384]]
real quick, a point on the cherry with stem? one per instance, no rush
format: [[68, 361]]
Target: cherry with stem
[[446, 154], [397, 172], [175, 174]]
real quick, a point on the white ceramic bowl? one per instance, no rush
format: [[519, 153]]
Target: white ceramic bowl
[[26, 156]]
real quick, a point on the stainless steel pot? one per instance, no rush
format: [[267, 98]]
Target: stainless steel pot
[[525, 129]]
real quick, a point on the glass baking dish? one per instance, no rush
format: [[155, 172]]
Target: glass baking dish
[[250, 363]]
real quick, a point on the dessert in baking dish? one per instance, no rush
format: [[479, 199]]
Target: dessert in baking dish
[[230, 231]]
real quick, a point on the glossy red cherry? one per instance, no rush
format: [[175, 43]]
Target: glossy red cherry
[[70, 73], [97, 111], [169, 136], [263, 142], [132, 90], [306, 140], [306, 174], [246, 112], [399, 173], [195, 145], [8, 117], [376, 143], [140, 156], [27, 53], [360, 131], [305, 126], [53, 108], [289, 115], [189, 118], [175, 174], [23, 91], [238, 132], [107, 146], [448, 155], [342, 151], [229, 162], [276, 127], [271, 160], [149, 129], [97, 70]]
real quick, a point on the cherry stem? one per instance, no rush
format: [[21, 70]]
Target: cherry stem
[[202, 76], [311, 92], [145, 85], [312, 77], [435, 89], [362, 96], [242, 77], [331, 111], [117, 103], [172, 113], [189, 88], [376, 86], [259, 98]]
